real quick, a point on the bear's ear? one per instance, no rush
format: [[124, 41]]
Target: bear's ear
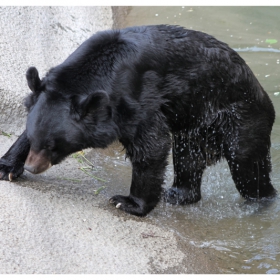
[[33, 80], [92, 102]]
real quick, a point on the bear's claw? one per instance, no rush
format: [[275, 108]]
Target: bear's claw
[[130, 205], [9, 173]]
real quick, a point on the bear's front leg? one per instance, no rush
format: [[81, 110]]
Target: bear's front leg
[[148, 168], [145, 190], [11, 164]]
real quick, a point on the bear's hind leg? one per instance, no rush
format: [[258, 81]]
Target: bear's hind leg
[[252, 178], [189, 164]]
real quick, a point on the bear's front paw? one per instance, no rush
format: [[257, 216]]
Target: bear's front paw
[[131, 205], [181, 196], [10, 172]]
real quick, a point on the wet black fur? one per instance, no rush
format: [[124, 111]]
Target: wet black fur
[[137, 85]]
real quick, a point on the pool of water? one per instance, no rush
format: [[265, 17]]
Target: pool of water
[[246, 236]]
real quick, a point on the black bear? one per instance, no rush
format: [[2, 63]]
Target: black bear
[[140, 85]]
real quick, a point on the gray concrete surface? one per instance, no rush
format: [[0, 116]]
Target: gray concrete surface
[[49, 224]]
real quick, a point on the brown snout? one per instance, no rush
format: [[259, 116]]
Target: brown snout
[[37, 162]]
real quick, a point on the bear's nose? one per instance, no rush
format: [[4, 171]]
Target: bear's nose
[[37, 162]]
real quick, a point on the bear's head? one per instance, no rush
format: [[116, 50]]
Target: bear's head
[[60, 123]]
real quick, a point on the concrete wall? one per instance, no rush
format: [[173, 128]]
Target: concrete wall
[[41, 37]]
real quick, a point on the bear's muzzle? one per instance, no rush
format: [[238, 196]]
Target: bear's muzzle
[[37, 162]]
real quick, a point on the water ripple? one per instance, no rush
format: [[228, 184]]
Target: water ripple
[[256, 49]]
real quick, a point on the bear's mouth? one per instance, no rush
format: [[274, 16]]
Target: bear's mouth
[[37, 162]]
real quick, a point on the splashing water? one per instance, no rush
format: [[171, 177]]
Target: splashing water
[[245, 234]]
